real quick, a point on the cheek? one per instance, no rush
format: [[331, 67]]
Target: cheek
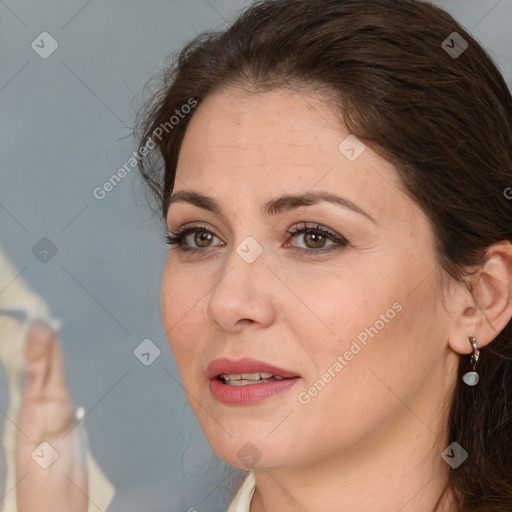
[[181, 313], [328, 311], [383, 327], [387, 339]]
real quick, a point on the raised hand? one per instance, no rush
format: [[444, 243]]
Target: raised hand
[[50, 455]]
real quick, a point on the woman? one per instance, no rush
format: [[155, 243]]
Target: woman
[[334, 177]]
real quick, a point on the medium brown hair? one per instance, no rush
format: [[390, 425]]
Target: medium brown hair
[[443, 121]]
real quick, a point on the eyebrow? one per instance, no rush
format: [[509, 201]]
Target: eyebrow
[[276, 206]]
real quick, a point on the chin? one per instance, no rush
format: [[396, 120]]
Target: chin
[[249, 449]]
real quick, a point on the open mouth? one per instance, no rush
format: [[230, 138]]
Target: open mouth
[[244, 379], [247, 381]]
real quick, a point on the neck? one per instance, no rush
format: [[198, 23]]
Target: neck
[[397, 471]]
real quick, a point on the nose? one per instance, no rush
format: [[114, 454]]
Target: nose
[[243, 294]]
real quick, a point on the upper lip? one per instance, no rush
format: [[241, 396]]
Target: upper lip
[[245, 365]]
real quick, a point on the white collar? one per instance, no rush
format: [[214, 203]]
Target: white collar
[[242, 500]]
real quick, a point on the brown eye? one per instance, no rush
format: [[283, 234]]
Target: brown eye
[[202, 238], [314, 240], [192, 238]]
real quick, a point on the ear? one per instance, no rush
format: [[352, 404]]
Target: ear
[[487, 309]]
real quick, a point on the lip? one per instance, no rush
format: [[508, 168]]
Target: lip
[[250, 393]]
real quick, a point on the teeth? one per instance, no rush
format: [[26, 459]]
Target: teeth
[[240, 379], [230, 376], [246, 376]]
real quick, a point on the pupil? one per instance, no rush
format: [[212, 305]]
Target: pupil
[[201, 237], [319, 239]]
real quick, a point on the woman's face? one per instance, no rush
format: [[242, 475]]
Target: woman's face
[[357, 321]]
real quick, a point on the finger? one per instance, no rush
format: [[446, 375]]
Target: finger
[[56, 383], [38, 353]]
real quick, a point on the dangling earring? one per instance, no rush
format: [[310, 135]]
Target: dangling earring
[[471, 378]]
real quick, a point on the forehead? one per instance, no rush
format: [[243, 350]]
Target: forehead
[[265, 144], [279, 123]]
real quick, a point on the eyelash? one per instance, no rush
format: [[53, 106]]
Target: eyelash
[[176, 239]]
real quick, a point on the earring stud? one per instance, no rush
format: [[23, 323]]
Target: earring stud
[[471, 378]]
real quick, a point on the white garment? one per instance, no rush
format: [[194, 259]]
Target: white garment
[[242, 500]]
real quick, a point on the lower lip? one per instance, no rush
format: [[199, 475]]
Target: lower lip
[[249, 393]]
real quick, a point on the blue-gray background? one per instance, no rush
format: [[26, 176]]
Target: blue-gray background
[[64, 122]]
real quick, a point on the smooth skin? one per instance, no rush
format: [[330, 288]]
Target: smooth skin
[[372, 438]]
